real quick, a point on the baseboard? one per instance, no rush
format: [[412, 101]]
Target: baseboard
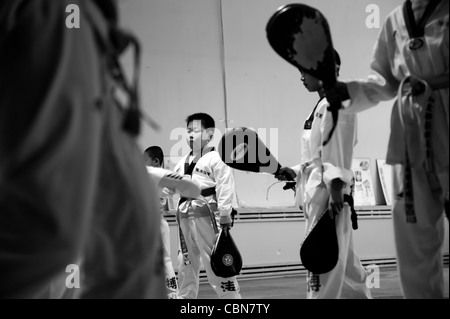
[[284, 270]]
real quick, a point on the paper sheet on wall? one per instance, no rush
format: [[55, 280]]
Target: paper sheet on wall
[[363, 193], [385, 174]]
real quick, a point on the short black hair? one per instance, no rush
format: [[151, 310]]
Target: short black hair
[[155, 152], [207, 120]]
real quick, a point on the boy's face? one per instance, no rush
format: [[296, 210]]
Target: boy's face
[[311, 83], [150, 161], [197, 135]]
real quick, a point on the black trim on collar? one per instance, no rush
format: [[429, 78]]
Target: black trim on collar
[[417, 30], [309, 121]]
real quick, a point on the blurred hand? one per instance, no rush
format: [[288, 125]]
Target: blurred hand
[[227, 225], [336, 202], [225, 221], [286, 174], [169, 191]]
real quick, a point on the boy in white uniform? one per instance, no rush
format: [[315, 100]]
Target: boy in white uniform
[[322, 179], [411, 59], [198, 218], [154, 157]]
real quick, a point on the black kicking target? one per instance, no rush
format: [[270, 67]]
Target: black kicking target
[[226, 260]]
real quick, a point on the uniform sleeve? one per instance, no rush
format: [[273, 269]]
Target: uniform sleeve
[[225, 186], [333, 172], [179, 169], [380, 85]]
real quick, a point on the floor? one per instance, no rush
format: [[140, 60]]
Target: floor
[[294, 287]]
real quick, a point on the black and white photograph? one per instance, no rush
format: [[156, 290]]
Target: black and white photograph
[[227, 156]]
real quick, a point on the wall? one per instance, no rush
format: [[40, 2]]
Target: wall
[[213, 56], [181, 64]]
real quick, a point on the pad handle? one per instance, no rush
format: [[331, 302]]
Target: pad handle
[[290, 184]]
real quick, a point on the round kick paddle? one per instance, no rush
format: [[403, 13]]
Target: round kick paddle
[[242, 149]]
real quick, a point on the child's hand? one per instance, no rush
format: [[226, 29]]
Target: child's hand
[[223, 226], [336, 197], [225, 221], [286, 174]]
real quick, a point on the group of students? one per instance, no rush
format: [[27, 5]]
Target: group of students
[[74, 188], [410, 62]]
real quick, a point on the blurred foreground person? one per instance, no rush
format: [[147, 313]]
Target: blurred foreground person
[[73, 184]]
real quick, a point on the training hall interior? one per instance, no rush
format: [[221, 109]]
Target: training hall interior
[[84, 199], [214, 57]]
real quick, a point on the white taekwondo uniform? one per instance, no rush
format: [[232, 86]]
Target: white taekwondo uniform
[[171, 279], [419, 228], [197, 226], [320, 165]]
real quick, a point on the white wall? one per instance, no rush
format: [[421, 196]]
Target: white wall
[[181, 63], [183, 72]]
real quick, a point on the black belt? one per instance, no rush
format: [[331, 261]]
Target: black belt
[[205, 193], [208, 191], [354, 216]]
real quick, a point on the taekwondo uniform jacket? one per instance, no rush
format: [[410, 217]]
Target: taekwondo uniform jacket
[[211, 171], [336, 155], [393, 61], [198, 226]]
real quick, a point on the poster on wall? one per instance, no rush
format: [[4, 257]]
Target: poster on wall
[[363, 193], [385, 174]]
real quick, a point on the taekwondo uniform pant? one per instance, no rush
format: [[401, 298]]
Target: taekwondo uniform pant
[[419, 245], [200, 237], [73, 183], [348, 277], [171, 279]]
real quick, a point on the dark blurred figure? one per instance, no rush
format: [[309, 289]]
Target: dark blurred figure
[[73, 184]]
